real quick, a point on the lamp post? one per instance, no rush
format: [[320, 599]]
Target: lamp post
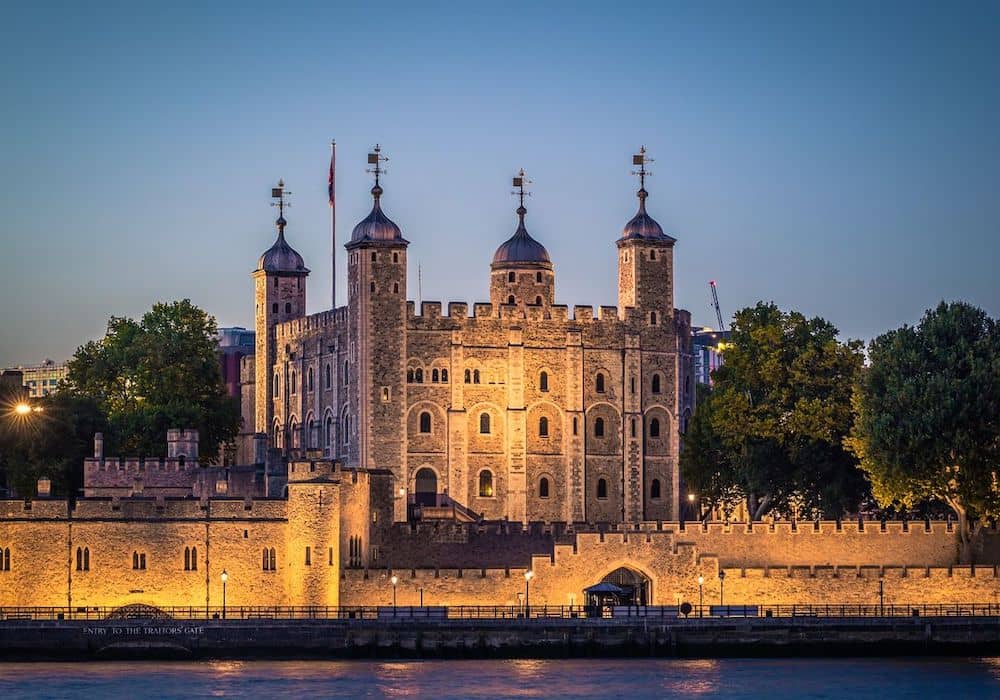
[[394, 580], [691, 498], [701, 594], [722, 583], [881, 597], [421, 596], [225, 577], [528, 575]]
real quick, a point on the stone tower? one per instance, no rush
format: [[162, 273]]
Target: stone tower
[[521, 273], [279, 295], [376, 275], [646, 284], [312, 538]]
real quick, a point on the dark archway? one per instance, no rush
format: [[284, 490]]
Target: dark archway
[[635, 586], [425, 492]]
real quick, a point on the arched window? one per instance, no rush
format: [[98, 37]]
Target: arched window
[[187, 558], [510, 299], [329, 431], [395, 287], [444, 376], [291, 383], [599, 383], [425, 422], [277, 386], [602, 488], [538, 301], [468, 376], [652, 318], [435, 376], [288, 308], [374, 256], [86, 559], [475, 376], [274, 560], [395, 257], [599, 427], [277, 435], [371, 286], [79, 558], [484, 423], [486, 484], [265, 561], [511, 277], [328, 377], [656, 383], [538, 277], [409, 376], [543, 381], [419, 376], [576, 428], [347, 428], [632, 427], [543, 427], [654, 490], [6, 559], [309, 379], [543, 487], [654, 428], [347, 376], [652, 255]]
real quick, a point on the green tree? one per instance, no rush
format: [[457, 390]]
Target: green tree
[[154, 374], [928, 416], [705, 463], [778, 413]]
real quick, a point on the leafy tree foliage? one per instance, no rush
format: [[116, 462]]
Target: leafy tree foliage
[[928, 416], [154, 374], [772, 429]]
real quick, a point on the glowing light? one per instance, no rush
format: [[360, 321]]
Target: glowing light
[[701, 580], [691, 498], [394, 579], [225, 576], [22, 409], [528, 575]]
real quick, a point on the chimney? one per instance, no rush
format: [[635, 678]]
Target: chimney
[[99, 446]]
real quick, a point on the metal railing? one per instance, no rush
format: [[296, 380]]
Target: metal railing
[[501, 612]]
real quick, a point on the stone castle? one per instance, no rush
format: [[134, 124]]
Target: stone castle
[[439, 458]]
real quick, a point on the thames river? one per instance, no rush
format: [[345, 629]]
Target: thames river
[[580, 678]]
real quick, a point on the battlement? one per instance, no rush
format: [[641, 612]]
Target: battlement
[[313, 322], [137, 465]]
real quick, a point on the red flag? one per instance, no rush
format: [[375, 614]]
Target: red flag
[[329, 186]]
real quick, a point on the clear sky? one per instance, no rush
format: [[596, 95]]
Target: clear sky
[[840, 159]]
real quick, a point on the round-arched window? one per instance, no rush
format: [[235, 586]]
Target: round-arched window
[[486, 484]]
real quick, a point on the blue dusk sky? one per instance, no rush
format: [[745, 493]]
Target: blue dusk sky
[[842, 159]]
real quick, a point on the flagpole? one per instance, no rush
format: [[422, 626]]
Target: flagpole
[[333, 224]]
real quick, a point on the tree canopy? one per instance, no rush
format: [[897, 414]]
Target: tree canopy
[[771, 431], [928, 415], [157, 373]]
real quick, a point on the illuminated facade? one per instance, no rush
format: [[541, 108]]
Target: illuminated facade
[[517, 408]]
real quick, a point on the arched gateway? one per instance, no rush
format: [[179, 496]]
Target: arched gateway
[[634, 587], [425, 491]]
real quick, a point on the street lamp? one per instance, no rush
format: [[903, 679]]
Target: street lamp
[[701, 594], [722, 582], [394, 580], [528, 575], [225, 577]]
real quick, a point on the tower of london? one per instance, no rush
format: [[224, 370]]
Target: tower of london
[[520, 408]]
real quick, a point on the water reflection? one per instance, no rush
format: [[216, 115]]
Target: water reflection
[[687, 677]]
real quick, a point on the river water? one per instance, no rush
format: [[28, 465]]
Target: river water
[[952, 678]]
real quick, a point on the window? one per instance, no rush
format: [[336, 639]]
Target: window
[[486, 484], [371, 286], [599, 383], [330, 557], [269, 559], [543, 427], [419, 376], [468, 376], [602, 488], [386, 394], [435, 376], [475, 376], [374, 256], [543, 381], [190, 558], [631, 384], [309, 379], [82, 559], [274, 560], [275, 282], [599, 427], [328, 377], [510, 299], [652, 255], [329, 431], [444, 376], [543, 487], [656, 383], [538, 277], [484, 423], [395, 287], [654, 489], [538, 301], [510, 277], [425, 422], [274, 307], [291, 383], [5, 560], [409, 376], [632, 427], [347, 428], [288, 307], [138, 560], [654, 428], [576, 428], [395, 257], [309, 556], [277, 386], [652, 318]]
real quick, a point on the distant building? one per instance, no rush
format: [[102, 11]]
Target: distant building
[[40, 380], [234, 344], [707, 346]]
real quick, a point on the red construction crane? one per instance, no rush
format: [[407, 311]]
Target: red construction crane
[[715, 303]]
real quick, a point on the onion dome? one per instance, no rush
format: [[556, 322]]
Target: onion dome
[[521, 248], [643, 226], [281, 257], [376, 226]]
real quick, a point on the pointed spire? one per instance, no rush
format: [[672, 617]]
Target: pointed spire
[[520, 181], [376, 158], [642, 225]]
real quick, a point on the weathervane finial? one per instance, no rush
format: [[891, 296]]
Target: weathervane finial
[[520, 181], [280, 193], [376, 158]]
